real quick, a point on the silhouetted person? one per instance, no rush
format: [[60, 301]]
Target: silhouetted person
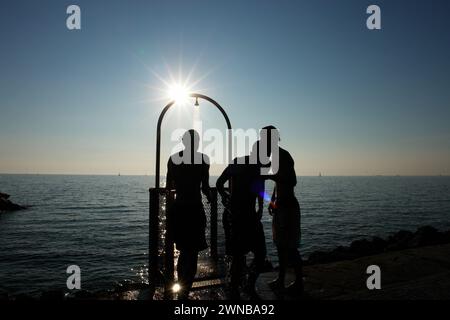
[[246, 234], [188, 174], [285, 210]]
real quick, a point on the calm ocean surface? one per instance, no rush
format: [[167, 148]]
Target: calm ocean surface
[[101, 223]]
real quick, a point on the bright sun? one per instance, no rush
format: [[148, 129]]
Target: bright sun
[[179, 93]]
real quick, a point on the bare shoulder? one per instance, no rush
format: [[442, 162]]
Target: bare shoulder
[[284, 154], [205, 158]]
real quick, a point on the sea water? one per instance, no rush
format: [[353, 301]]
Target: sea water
[[100, 223]]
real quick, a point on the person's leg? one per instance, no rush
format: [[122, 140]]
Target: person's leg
[[278, 237], [181, 266], [181, 270], [186, 268], [237, 266], [226, 223], [256, 269], [297, 286], [283, 263], [282, 266], [260, 253], [191, 268]]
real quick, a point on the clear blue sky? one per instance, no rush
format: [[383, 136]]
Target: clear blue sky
[[348, 101]]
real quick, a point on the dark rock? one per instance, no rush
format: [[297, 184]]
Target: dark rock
[[318, 257], [341, 253], [7, 205], [24, 297], [4, 195], [379, 245], [446, 237], [401, 240], [426, 236], [54, 295], [363, 246], [84, 295], [400, 236]]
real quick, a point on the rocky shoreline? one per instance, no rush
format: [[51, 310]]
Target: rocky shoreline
[[401, 240]]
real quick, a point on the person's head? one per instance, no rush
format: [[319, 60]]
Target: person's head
[[267, 135], [191, 140], [253, 156], [254, 152]]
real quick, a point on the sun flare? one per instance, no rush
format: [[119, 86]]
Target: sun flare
[[179, 93]]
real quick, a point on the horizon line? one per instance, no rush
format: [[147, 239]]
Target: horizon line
[[152, 175]]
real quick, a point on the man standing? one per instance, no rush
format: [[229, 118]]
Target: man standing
[[188, 174], [246, 232]]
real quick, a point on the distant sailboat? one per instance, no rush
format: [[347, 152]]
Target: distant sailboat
[[320, 174], [119, 174]]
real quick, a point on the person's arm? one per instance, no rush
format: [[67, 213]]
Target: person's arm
[[260, 191], [274, 194], [220, 185], [272, 201], [260, 206], [205, 179], [170, 184]]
